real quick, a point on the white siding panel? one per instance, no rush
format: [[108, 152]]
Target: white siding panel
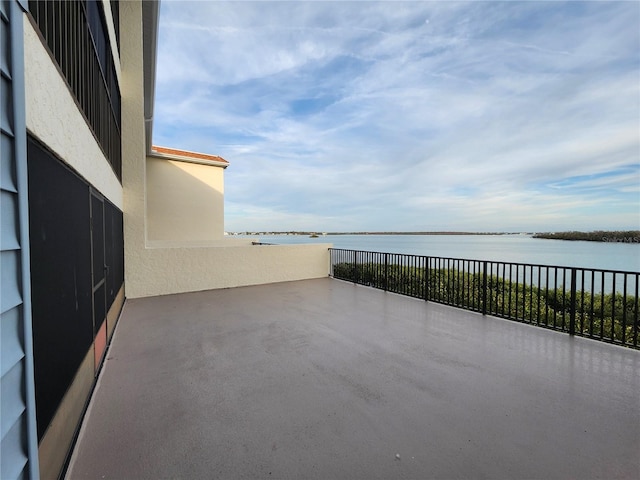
[[13, 405], [7, 174], [10, 339], [13, 454], [18, 445], [6, 107], [5, 43], [8, 221], [9, 276]]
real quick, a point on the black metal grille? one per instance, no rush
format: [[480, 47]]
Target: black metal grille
[[76, 35], [61, 274], [60, 247], [593, 303], [114, 250]]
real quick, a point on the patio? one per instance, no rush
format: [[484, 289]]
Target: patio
[[324, 379]]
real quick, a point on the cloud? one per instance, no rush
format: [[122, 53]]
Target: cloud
[[409, 115]]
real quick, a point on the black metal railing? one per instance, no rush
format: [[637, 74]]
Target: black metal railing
[[593, 303], [76, 35]]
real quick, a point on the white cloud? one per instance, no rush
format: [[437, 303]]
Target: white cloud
[[488, 116]]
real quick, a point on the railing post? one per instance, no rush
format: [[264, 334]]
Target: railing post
[[386, 271], [448, 279], [355, 266], [572, 306], [484, 287], [426, 277]]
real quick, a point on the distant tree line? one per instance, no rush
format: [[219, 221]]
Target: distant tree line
[[417, 233], [628, 236], [610, 316], [297, 232]]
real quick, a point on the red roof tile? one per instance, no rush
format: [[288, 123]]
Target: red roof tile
[[186, 153]]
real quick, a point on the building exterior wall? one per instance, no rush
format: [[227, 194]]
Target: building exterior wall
[[133, 138], [185, 201], [18, 437], [163, 271], [66, 132], [156, 267], [62, 139]]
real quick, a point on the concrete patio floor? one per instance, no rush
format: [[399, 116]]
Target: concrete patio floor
[[322, 379]]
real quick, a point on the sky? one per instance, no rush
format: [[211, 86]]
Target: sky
[[409, 116]]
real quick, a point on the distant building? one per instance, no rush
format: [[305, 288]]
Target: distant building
[[185, 196]]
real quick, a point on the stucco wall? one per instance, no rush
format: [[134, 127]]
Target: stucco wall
[[153, 267], [133, 138], [228, 241], [176, 270], [66, 133], [185, 201]]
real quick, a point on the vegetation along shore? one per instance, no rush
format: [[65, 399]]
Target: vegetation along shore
[[611, 316], [614, 236], [628, 236]]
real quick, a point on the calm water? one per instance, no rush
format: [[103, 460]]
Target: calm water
[[506, 248]]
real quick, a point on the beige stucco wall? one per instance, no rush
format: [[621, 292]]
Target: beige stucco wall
[[176, 270], [185, 201], [133, 138], [223, 242], [65, 131], [157, 267]]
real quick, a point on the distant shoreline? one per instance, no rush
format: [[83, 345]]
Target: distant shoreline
[[628, 236], [374, 233], [421, 233], [605, 236]]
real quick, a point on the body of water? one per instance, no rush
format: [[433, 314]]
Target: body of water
[[503, 248]]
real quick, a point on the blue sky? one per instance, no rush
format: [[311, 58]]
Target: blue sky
[[409, 116]]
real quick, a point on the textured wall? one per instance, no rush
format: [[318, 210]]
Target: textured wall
[[133, 138], [185, 201], [66, 132], [152, 269], [162, 271]]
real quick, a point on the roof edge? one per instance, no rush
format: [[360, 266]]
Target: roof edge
[[187, 156]]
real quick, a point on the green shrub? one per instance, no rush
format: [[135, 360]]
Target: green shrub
[[608, 316]]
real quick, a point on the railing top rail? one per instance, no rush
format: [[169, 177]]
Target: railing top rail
[[501, 262]]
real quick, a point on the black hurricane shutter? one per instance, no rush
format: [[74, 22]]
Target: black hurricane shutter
[[61, 281], [60, 242]]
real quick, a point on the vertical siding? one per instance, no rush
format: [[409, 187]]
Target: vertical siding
[[18, 444]]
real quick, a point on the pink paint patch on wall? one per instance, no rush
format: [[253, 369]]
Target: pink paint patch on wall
[[100, 344]]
